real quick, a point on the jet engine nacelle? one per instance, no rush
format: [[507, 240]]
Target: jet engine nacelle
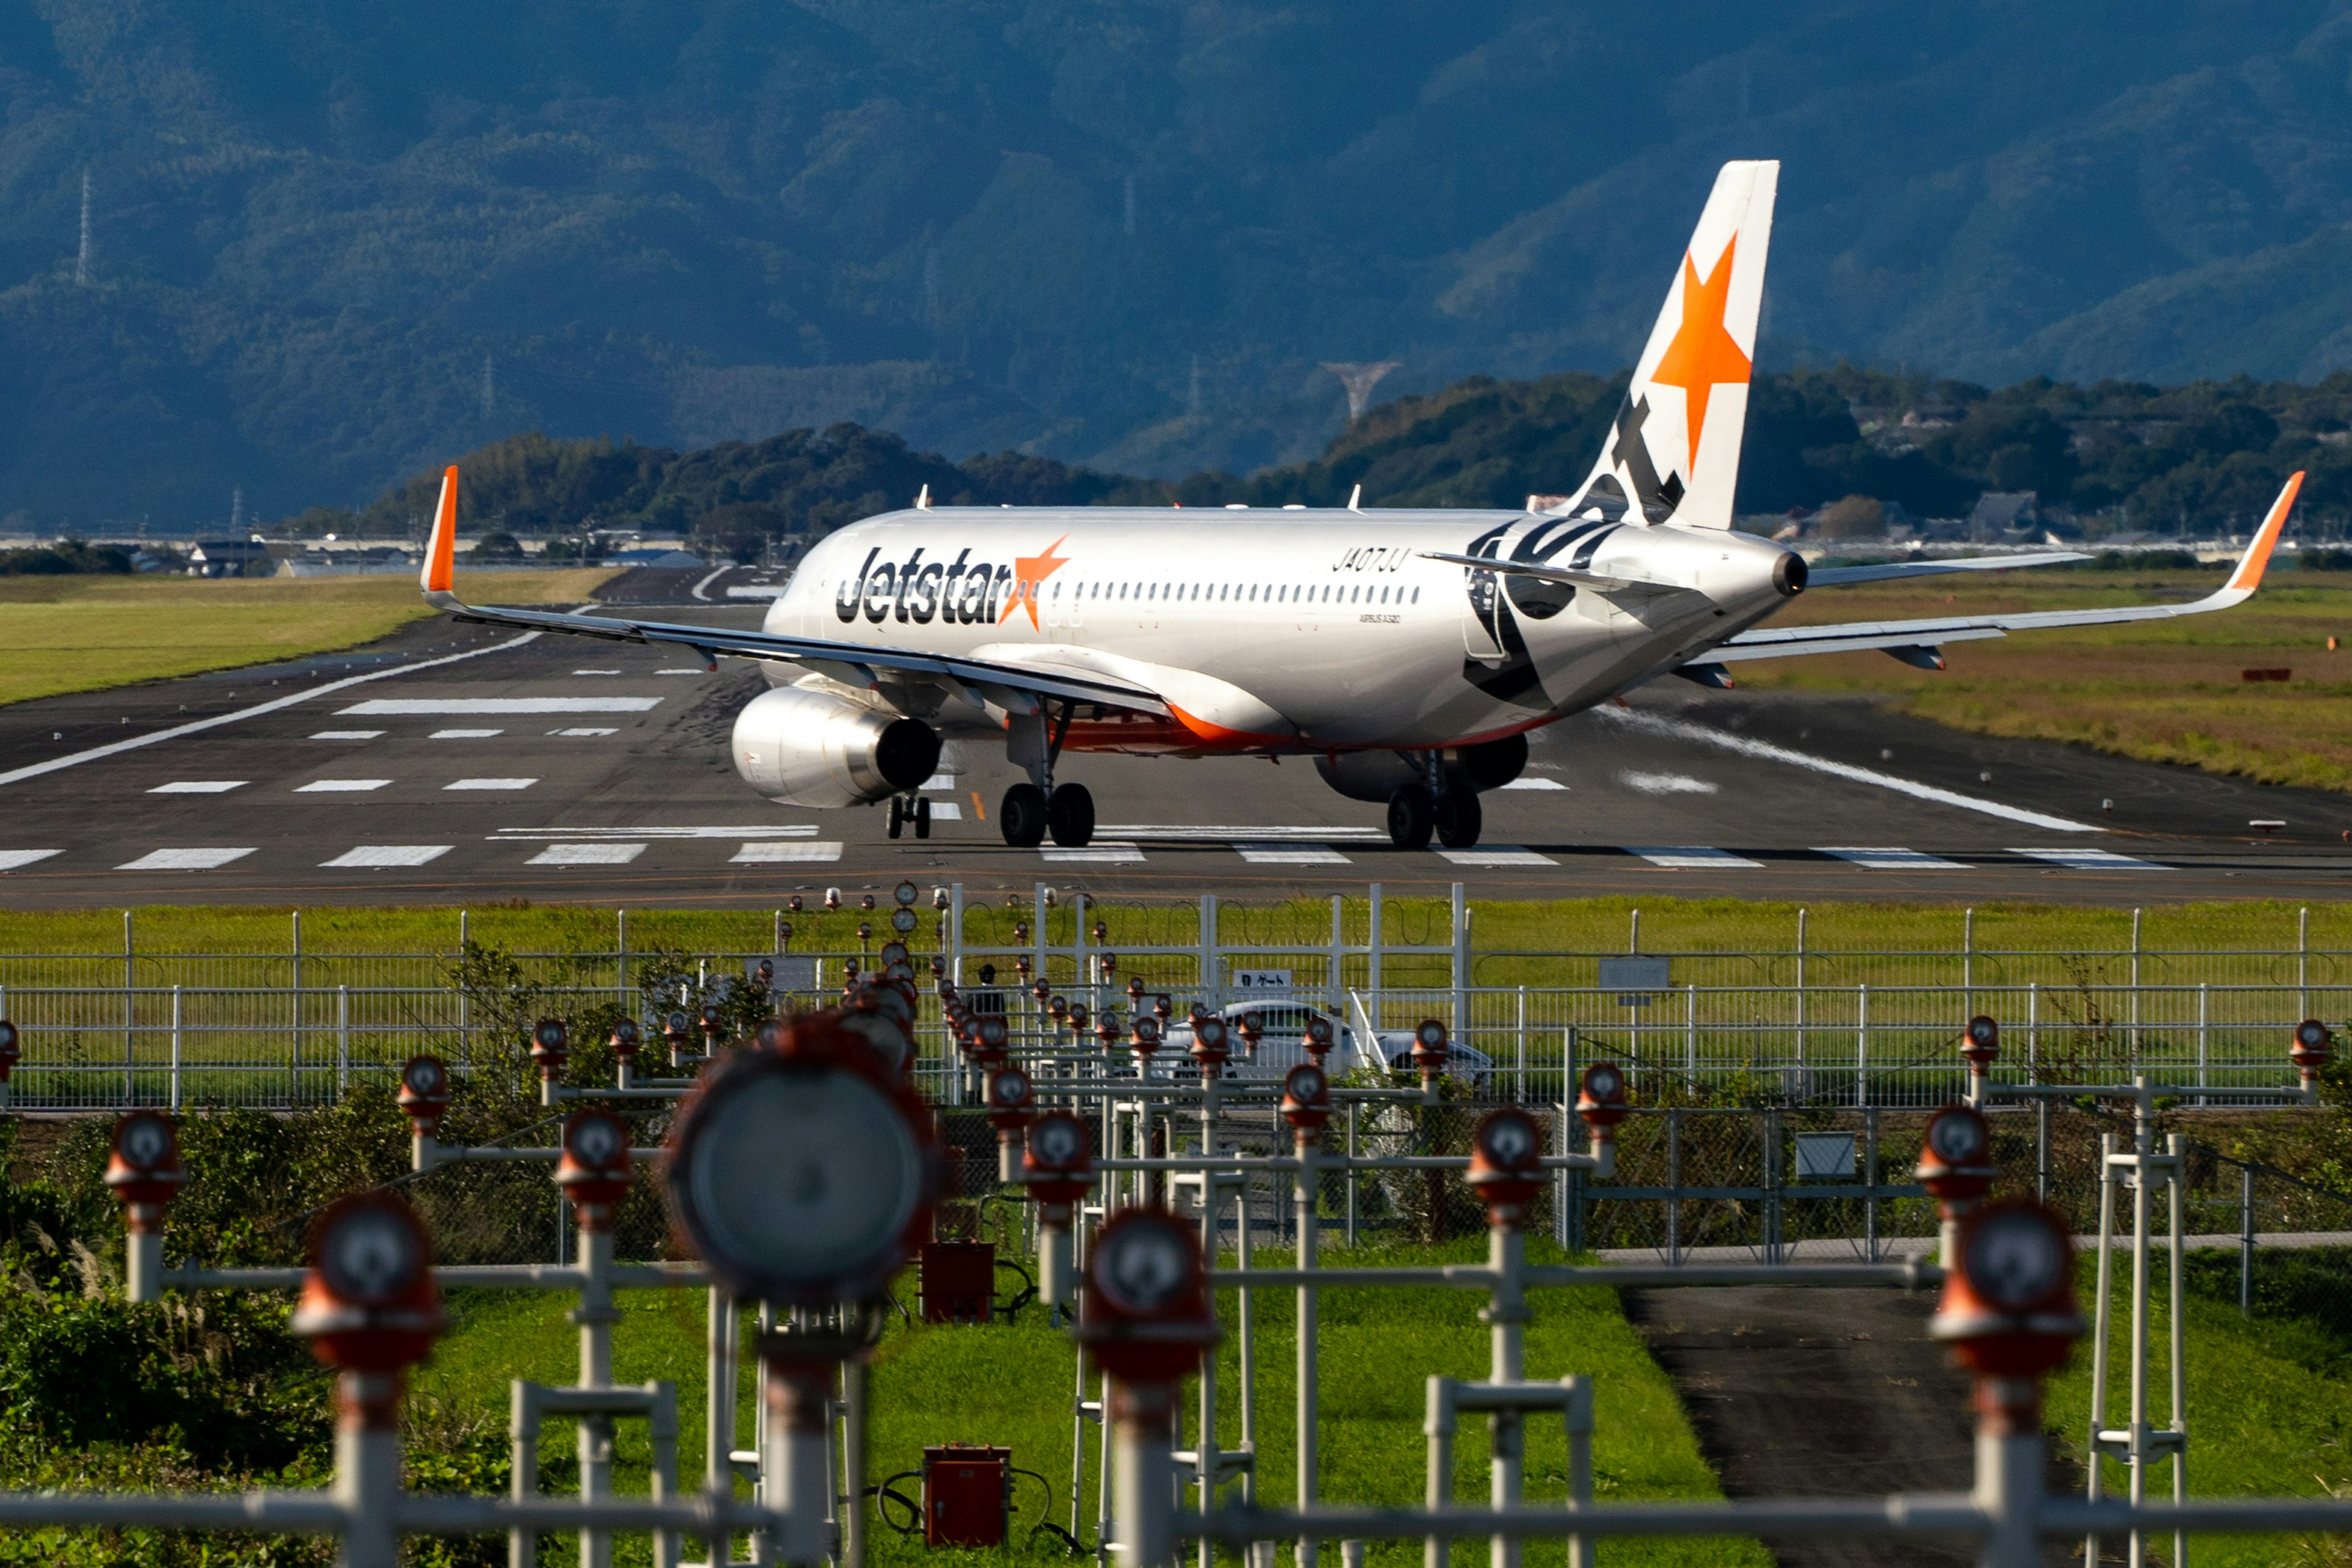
[[1377, 775], [800, 747]]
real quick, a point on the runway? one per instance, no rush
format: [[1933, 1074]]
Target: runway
[[450, 764]]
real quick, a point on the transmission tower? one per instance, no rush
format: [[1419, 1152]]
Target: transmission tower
[[1359, 378]]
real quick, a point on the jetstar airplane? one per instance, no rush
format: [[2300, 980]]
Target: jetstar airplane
[[1407, 652]]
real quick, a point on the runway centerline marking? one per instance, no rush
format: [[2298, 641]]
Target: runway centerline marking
[[198, 786], [1100, 853], [601, 853], [342, 786], [1666, 783], [1496, 855], [595, 672], [773, 852], [1291, 854], [34, 770], [1535, 784], [2090, 859], [347, 735], [946, 811], [387, 857], [183, 859], [487, 707], [463, 734], [1179, 833], [491, 783], [12, 859], [1896, 860], [582, 733], [1693, 858], [1680, 729], [785, 830]]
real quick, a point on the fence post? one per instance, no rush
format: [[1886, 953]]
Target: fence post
[[175, 1046], [294, 1094], [2135, 992], [342, 1041], [1801, 995], [1335, 979], [2204, 1022], [1690, 1029], [2245, 1241], [621, 962], [2302, 962], [1213, 969], [955, 932], [1869, 1185], [1969, 963], [1521, 1072], [1372, 944], [130, 1015], [1461, 966], [464, 1008], [1861, 1046]]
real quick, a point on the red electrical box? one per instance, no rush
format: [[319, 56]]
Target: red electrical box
[[958, 1280], [967, 1495]]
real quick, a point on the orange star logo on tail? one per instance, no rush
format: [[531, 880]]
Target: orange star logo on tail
[[1702, 355], [1028, 572]]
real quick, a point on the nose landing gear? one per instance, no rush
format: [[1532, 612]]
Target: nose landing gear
[[914, 809], [1446, 807]]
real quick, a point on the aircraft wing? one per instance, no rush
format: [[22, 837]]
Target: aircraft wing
[[1013, 686], [1838, 576], [1784, 642]]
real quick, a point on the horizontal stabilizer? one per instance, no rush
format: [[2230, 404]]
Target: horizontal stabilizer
[[1886, 572]]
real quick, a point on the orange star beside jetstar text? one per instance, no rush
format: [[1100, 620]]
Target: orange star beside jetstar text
[[1028, 572]]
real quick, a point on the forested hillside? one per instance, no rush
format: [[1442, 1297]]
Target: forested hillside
[[330, 245], [2187, 461]]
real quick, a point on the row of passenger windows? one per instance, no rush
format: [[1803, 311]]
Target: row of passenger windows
[[1249, 592]]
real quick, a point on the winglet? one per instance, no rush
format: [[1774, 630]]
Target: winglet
[[2249, 574], [440, 577]]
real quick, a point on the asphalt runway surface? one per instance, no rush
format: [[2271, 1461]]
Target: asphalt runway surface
[[452, 763]]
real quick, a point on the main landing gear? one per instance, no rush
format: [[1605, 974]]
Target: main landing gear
[[1031, 811], [910, 809], [1450, 811]]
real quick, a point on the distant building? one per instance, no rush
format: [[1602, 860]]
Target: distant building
[[230, 558], [676, 560], [2004, 511]]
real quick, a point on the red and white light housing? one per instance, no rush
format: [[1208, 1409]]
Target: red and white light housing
[[714, 1024], [369, 1303], [1507, 1162], [1211, 1043], [1980, 1044], [1011, 1103], [1058, 1166], [425, 1094], [1306, 1099], [804, 1175], [1431, 1048], [991, 1038], [2314, 1048], [1956, 1157], [595, 1169], [627, 1040], [1316, 1038], [550, 1048], [1147, 1316], [673, 1029], [1600, 1098], [2008, 1307], [11, 1052], [1144, 1037], [1252, 1030], [143, 1168]]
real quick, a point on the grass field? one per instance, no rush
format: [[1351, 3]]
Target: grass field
[[2169, 692], [85, 634], [1012, 1385]]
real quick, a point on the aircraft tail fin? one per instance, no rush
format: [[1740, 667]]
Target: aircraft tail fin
[[1675, 450], [438, 579]]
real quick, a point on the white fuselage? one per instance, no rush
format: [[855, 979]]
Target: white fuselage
[[1291, 630]]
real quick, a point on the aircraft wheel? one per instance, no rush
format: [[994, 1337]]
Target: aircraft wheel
[[1459, 819], [1022, 814], [1070, 815], [1410, 817], [923, 818], [897, 814]]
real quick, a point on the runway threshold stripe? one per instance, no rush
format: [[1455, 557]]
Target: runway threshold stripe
[[741, 830], [386, 856], [769, 852], [1291, 854], [341, 786], [587, 855], [1497, 855], [1893, 860], [1191, 832], [491, 783], [1693, 858], [16, 859], [1097, 854], [183, 859], [1535, 784], [347, 735], [2090, 860], [37, 769], [1680, 729], [198, 786], [486, 707]]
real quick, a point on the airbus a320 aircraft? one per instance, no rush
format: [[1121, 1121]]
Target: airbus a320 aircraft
[[1407, 652]]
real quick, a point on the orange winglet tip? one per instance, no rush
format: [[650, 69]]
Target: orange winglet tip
[[2249, 574], [441, 554]]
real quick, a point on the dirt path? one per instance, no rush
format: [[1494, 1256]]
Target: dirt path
[[1824, 1392]]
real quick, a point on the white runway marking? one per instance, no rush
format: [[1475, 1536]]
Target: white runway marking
[[1096, 854], [789, 831], [1496, 855], [940, 781], [595, 672], [491, 783], [1184, 834], [1535, 784], [491, 707], [1666, 783], [183, 859], [1677, 857], [16, 859], [2091, 860], [1676, 728], [697, 669], [586, 855], [463, 734], [775, 854], [198, 786], [342, 786], [946, 811], [383, 857], [582, 734], [348, 735], [1290, 854], [36, 770], [1893, 860]]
